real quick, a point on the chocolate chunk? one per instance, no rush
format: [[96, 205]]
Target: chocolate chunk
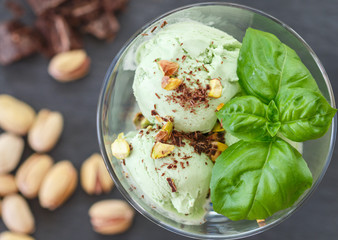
[[17, 41], [41, 6], [103, 27], [58, 35]]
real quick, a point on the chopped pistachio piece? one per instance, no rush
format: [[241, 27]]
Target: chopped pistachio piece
[[165, 133], [140, 121], [161, 150], [220, 148], [218, 127], [120, 147], [261, 222], [215, 88], [168, 68], [170, 83], [219, 107]]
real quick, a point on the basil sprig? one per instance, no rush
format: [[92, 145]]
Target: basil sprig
[[263, 174]]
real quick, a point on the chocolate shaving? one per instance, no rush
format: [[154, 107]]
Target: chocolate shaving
[[202, 143], [189, 98], [154, 113], [152, 30], [172, 185], [163, 24]]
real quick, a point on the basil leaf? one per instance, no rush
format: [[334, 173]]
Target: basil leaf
[[245, 118], [273, 128], [272, 113], [253, 180], [304, 114], [265, 66]]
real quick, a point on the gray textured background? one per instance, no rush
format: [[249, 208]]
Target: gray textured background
[[316, 21]]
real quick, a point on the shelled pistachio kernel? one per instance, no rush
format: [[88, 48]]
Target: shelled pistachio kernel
[[165, 133], [120, 147], [169, 83], [218, 127], [215, 88], [168, 68], [261, 222], [221, 147], [140, 121], [161, 150], [219, 107]]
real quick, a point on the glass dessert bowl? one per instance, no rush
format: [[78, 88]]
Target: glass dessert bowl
[[118, 106]]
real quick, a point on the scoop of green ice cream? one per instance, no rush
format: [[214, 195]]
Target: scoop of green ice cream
[[203, 53], [189, 171]]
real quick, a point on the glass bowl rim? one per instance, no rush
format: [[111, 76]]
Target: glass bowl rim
[[125, 194]]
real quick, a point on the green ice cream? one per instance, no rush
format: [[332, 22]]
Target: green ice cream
[[203, 53], [189, 171]]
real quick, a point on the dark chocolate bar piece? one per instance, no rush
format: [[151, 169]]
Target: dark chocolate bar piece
[[58, 35], [17, 41], [104, 27]]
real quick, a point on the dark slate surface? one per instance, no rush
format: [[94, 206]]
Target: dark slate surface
[[316, 21]]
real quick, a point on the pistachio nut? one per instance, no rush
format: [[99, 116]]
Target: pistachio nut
[[261, 222], [161, 150], [45, 131], [169, 83], [120, 147], [31, 174], [15, 115], [168, 68], [14, 236], [7, 185], [17, 215], [220, 147], [140, 121], [215, 88], [69, 66], [219, 107], [11, 148], [111, 216], [58, 185], [218, 127], [95, 178], [164, 134]]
